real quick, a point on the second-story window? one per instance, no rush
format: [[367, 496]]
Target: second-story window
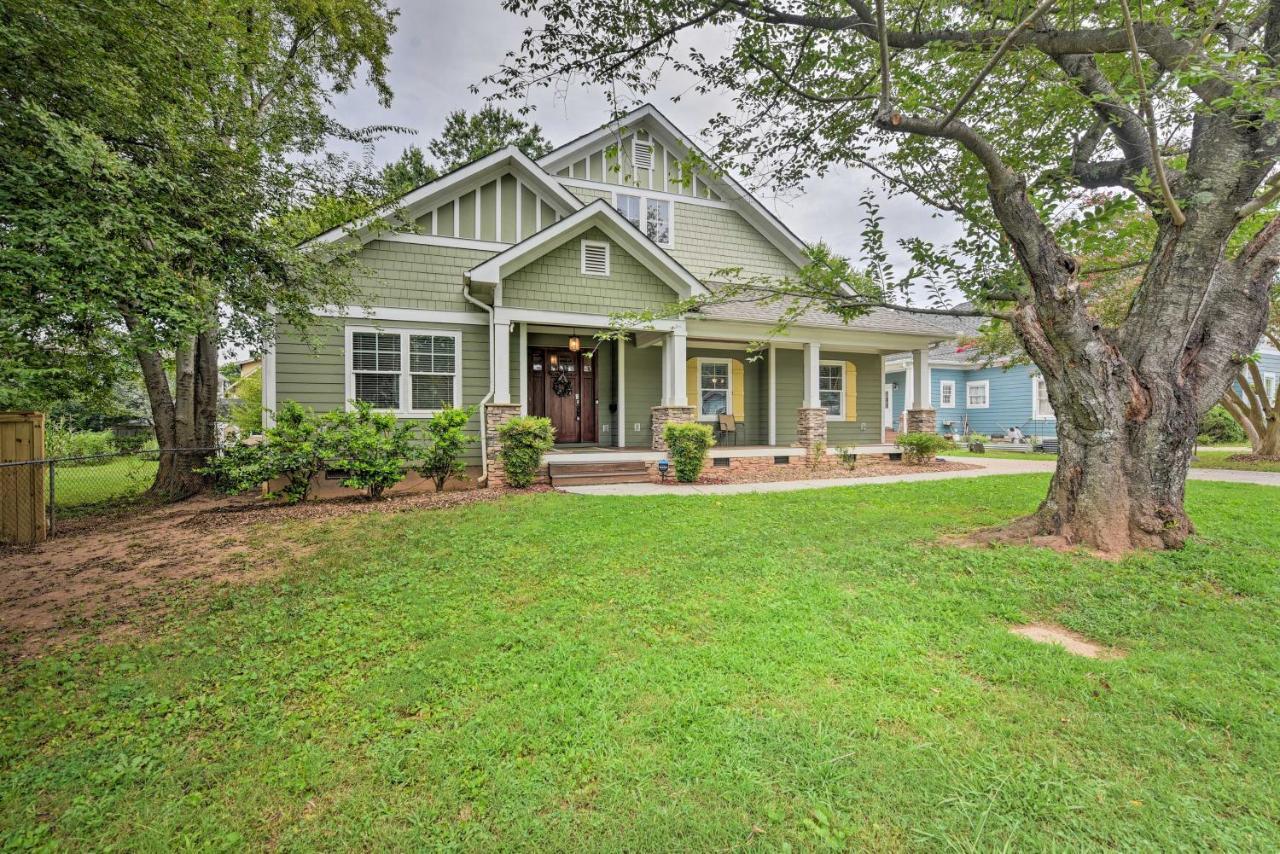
[[649, 214]]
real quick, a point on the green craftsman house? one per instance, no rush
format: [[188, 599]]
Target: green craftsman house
[[499, 274]]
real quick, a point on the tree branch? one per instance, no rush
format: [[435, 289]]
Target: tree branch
[[1175, 212], [1026, 22]]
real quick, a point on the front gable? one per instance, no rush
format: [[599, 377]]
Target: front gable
[[550, 271], [556, 281]]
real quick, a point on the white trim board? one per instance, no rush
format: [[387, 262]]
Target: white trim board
[[405, 375], [586, 184], [599, 214], [416, 315], [509, 159]]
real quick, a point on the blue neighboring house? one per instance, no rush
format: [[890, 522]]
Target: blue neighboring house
[[973, 395]]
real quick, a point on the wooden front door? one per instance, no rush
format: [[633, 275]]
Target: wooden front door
[[562, 387]]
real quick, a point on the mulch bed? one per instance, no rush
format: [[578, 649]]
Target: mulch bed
[[121, 572], [1252, 458], [802, 472]]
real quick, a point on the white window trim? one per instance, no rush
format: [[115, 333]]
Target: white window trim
[[608, 260], [406, 381], [831, 363], [728, 388], [1269, 384], [942, 398], [986, 384], [644, 212], [1036, 414]]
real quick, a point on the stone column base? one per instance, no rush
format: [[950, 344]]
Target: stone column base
[[922, 421], [811, 428], [495, 415], [660, 416]]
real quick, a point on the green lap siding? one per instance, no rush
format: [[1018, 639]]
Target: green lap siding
[[643, 391], [555, 282], [314, 374], [790, 379]]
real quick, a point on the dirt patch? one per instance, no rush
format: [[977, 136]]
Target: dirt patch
[[1072, 642], [118, 573], [711, 475], [1252, 458]]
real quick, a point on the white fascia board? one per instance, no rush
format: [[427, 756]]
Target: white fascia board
[[765, 221], [546, 317], [366, 229], [599, 214]]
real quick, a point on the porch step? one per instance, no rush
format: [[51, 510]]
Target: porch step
[[583, 474]]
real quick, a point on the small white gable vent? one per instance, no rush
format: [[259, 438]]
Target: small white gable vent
[[642, 154], [595, 258]]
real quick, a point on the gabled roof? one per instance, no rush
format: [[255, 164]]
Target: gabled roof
[[737, 196], [423, 199], [598, 214]]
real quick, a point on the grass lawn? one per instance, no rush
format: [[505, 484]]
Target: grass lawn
[[1205, 459], [1208, 459], [565, 672], [79, 488]]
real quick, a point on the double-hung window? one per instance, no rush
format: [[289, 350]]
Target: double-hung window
[[406, 371], [977, 395], [831, 388], [947, 394], [1041, 409], [713, 388], [650, 214]]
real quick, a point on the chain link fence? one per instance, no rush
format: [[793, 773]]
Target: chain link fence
[[67, 486]]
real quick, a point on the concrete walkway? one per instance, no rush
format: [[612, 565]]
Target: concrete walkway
[[988, 466]]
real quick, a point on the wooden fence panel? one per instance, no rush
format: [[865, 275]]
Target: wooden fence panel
[[22, 497]]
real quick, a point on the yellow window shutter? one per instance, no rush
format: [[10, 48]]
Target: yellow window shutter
[[691, 382], [850, 391], [739, 384]]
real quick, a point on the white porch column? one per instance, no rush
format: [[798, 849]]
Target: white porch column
[[501, 361], [622, 392], [523, 379], [920, 368], [674, 384], [908, 398], [773, 395], [811, 358]]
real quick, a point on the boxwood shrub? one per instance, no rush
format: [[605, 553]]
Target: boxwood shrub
[[687, 444], [524, 439]]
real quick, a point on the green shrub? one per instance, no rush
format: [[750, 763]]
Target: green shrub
[[447, 439], [61, 441], [292, 449], [921, 448], [687, 445], [524, 439], [1217, 427], [373, 448]]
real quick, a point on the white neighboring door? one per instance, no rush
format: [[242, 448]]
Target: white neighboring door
[[887, 417]]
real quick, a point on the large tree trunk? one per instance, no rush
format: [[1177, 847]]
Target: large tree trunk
[[1128, 402], [185, 418]]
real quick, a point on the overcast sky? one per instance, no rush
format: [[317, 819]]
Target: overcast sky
[[444, 46]]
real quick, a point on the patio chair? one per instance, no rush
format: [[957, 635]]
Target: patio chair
[[727, 426]]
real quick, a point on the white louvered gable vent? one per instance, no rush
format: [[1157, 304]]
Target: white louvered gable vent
[[642, 154], [595, 258]]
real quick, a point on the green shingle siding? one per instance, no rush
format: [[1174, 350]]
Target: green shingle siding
[[712, 238], [555, 282], [409, 275]]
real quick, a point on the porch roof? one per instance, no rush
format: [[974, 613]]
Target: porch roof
[[876, 320]]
